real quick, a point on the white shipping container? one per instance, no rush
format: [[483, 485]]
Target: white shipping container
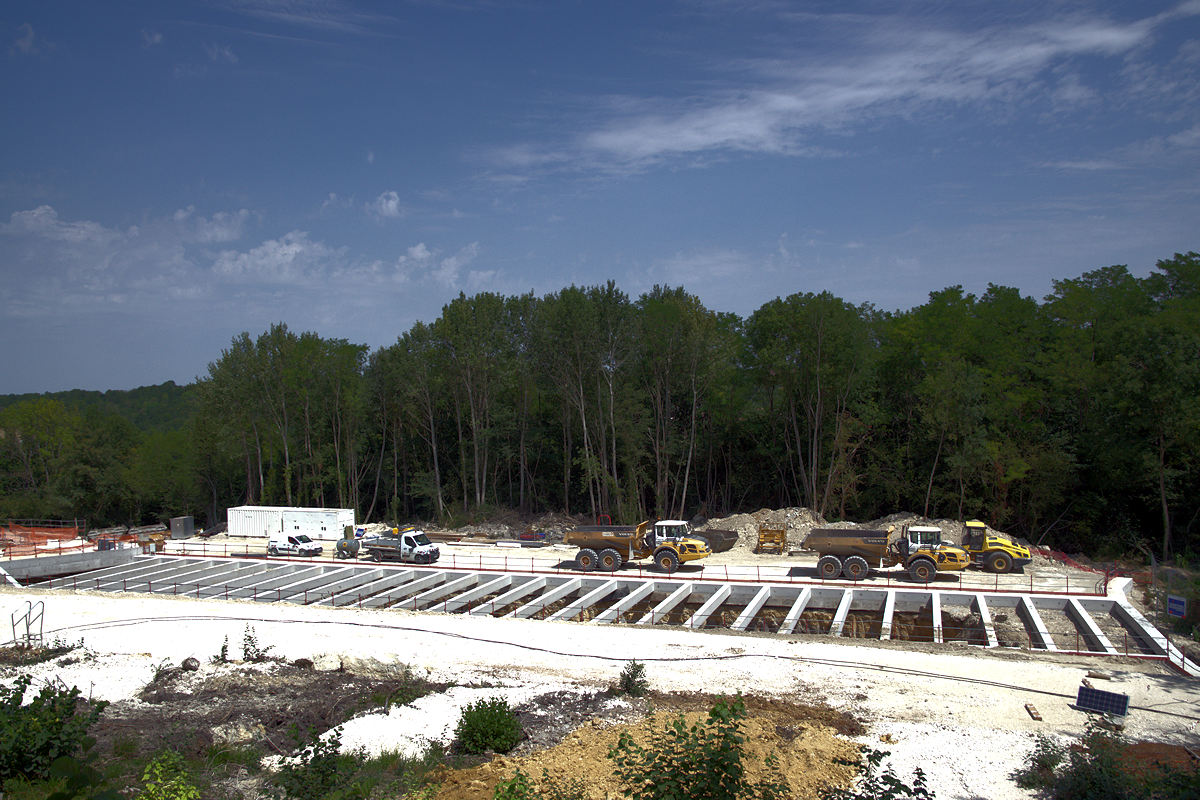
[[316, 523]]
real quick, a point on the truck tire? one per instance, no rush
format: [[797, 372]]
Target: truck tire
[[272, 550], [829, 567], [610, 560], [585, 560], [667, 560], [377, 555], [999, 563], [855, 568], [922, 570]]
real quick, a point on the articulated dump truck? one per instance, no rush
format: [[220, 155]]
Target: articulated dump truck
[[607, 547], [854, 553]]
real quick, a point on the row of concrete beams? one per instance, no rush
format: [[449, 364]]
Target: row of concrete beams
[[526, 595]]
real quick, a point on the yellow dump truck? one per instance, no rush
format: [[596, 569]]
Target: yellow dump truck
[[607, 547], [991, 552], [854, 553]]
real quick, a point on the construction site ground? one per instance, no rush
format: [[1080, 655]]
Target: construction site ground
[[960, 713], [961, 716]]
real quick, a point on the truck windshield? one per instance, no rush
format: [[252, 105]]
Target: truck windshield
[[302, 539], [421, 538]]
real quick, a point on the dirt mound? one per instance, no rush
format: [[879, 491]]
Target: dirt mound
[[803, 739], [798, 522]]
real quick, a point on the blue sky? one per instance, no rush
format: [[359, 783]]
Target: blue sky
[[172, 174]]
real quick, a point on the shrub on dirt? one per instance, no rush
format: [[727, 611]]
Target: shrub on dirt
[[166, 778], [320, 772], [520, 787], [488, 726], [633, 681], [55, 723], [701, 762], [1101, 767], [876, 784], [252, 651]]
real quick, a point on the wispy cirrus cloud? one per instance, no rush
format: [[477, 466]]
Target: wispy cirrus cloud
[[896, 67], [322, 15]]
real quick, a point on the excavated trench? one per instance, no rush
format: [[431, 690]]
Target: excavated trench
[[1035, 622]]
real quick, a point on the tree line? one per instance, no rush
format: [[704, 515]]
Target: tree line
[[1074, 421]]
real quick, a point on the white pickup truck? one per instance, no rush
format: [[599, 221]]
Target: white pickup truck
[[408, 544], [298, 545]]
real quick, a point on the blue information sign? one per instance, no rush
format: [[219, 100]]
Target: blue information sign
[[1176, 606]]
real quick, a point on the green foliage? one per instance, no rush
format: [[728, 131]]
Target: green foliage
[[488, 726], [520, 787], [166, 778], [1046, 757], [1074, 421], [53, 724], [633, 680], [703, 761], [876, 784], [1100, 767], [320, 772], [252, 651], [78, 779], [222, 656], [517, 787]]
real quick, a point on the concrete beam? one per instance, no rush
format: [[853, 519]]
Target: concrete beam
[[549, 598], [613, 612], [421, 582], [590, 599], [752, 608], [661, 610], [935, 608], [889, 614], [1095, 638], [793, 615], [511, 596], [1029, 614], [710, 606], [431, 596], [457, 602], [839, 617], [985, 616]]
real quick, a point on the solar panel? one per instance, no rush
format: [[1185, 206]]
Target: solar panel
[[1104, 702]]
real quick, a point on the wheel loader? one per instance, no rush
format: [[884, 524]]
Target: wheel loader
[[991, 552], [607, 547]]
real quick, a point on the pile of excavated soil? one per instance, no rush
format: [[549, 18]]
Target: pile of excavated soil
[[798, 522], [803, 740]]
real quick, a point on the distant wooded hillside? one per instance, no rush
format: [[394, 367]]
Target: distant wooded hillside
[[164, 407]]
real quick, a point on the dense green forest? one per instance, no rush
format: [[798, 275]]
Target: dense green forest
[[1074, 421]]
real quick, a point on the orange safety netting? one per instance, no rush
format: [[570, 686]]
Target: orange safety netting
[[44, 536]]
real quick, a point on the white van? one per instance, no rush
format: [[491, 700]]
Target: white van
[[298, 545]]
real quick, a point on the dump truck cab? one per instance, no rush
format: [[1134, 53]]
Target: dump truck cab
[[993, 553]]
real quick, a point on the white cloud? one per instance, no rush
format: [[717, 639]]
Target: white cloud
[[387, 206], [84, 265], [221, 227], [370, 156], [1092, 165], [221, 53], [26, 43], [292, 258], [151, 38]]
